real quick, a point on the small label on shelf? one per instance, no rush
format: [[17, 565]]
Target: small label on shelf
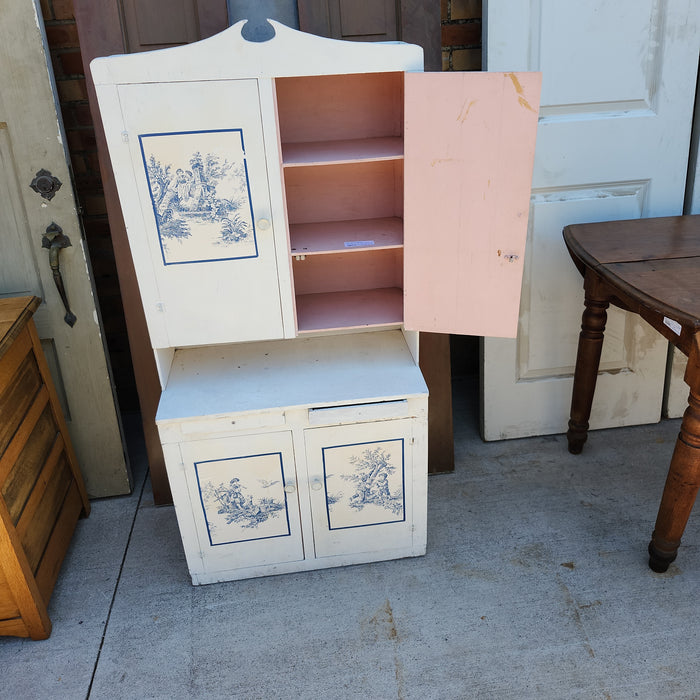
[[673, 325], [358, 244]]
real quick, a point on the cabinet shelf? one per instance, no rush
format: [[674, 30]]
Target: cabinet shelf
[[346, 236], [342, 157], [344, 151], [344, 310]]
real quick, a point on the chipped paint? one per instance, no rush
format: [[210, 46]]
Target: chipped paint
[[436, 161], [521, 93], [464, 112]]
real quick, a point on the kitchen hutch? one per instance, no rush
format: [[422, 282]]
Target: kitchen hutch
[[297, 210]]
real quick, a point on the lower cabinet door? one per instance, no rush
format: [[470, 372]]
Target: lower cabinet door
[[244, 501], [361, 487]]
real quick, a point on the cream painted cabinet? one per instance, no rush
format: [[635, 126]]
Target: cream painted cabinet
[[288, 455], [297, 210]]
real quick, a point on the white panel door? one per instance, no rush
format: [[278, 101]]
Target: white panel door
[[32, 140], [614, 131]]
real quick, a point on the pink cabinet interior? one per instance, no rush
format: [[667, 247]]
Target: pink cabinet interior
[[342, 156], [440, 163]]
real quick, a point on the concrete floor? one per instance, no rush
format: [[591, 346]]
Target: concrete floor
[[535, 585]]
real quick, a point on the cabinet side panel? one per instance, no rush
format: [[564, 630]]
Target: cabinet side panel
[[469, 150]]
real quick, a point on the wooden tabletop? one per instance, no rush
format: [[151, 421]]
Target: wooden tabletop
[[653, 261], [14, 314]]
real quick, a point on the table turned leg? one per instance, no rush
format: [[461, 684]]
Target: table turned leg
[[590, 346], [681, 486]]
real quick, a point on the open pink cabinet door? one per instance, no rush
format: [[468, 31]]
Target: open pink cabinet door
[[469, 145]]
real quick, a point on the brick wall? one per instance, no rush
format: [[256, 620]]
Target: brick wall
[[461, 34], [67, 62]]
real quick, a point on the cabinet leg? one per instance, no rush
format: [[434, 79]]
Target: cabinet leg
[[590, 346], [680, 491]]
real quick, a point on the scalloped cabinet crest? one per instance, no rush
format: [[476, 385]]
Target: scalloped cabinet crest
[[297, 210]]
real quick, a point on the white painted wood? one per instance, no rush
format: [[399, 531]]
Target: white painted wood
[[31, 139], [304, 402], [182, 90], [612, 143], [315, 372], [199, 287], [248, 532], [358, 413], [278, 206], [289, 53]]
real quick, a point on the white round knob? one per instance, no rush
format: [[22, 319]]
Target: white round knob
[[263, 224], [316, 485], [290, 488]]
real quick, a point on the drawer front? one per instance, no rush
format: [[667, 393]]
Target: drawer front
[[232, 423], [39, 439], [16, 396], [356, 413]]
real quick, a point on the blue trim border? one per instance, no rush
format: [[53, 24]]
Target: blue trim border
[[153, 203]]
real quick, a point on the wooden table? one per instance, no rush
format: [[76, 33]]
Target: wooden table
[[650, 267]]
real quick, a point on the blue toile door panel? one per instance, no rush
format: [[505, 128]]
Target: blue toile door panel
[[361, 485], [205, 252], [243, 495]]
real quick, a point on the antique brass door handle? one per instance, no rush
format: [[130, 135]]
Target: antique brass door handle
[[54, 239]]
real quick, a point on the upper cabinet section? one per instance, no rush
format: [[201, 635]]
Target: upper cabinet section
[[304, 185]]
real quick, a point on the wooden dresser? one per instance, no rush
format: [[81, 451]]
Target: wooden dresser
[[41, 488]]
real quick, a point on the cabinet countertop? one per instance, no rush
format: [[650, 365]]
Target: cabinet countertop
[[304, 372]]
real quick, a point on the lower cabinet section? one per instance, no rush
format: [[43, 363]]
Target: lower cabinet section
[[298, 454], [302, 498]]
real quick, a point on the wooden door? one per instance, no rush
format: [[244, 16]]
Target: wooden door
[[104, 29], [351, 20], [613, 140], [412, 21], [469, 139], [31, 140]]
